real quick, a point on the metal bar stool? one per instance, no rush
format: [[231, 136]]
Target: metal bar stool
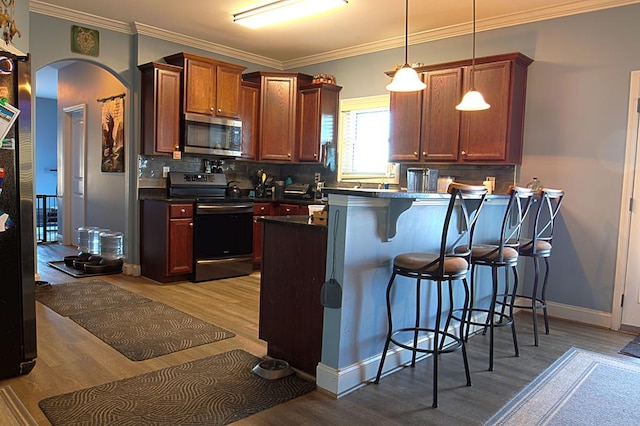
[[539, 247], [502, 253], [445, 266]]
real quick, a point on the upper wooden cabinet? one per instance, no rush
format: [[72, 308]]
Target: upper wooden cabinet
[[318, 118], [249, 115], [160, 93], [210, 86], [278, 122], [426, 127]]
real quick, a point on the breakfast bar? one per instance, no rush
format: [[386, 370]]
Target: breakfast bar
[[366, 229]]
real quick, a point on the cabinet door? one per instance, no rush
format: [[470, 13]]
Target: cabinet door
[[406, 116], [227, 91], [483, 135], [200, 87], [249, 104], [180, 255], [441, 119], [160, 110], [277, 118], [318, 120]]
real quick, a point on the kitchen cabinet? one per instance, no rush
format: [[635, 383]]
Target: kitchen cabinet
[[291, 278], [277, 122], [209, 86], [166, 248], [426, 127], [318, 120], [160, 108], [249, 111]]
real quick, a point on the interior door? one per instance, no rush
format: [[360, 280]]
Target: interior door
[[631, 306], [74, 213]]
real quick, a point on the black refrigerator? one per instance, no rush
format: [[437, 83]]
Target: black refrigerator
[[17, 244]]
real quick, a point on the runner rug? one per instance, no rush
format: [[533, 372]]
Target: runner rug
[[579, 388], [216, 390], [137, 327]]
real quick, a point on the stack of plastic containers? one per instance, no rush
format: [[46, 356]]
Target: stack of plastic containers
[[111, 245]]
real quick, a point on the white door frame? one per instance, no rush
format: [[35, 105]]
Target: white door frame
[[630, 156], [65, 169]]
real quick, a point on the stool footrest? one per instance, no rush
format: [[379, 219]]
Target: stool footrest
[[453, 346]]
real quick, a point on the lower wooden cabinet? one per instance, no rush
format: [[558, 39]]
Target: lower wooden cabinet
[[293, 271], [166, 240]]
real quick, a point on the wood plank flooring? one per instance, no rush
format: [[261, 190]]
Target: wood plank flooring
[[70, 358]]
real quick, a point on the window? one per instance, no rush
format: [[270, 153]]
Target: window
[[364, 141]]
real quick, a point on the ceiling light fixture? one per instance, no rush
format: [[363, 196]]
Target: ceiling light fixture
[[283, 10], [406, 78], [473, 100]]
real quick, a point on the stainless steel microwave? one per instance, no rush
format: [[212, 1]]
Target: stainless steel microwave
[[212, 135]]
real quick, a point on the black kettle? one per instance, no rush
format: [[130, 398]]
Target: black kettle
[[233, 190]]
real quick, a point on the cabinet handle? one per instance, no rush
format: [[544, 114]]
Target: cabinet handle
[[289, 154], [191, 224], [212, 109], [463, 153], [424, 153], [219, 109], [415, 154], [183, 211], [288, 210], [315, 155]]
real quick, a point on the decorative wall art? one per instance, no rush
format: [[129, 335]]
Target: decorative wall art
[[84, 40], [113, 133], [7, 21]]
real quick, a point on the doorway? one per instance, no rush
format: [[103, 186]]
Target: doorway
[[74, 149], [627, 277]]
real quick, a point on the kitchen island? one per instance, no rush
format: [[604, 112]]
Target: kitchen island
[[373, 226]]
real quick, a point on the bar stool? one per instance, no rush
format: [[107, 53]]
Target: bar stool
[[446, 265], [539, 247], [502, 253]]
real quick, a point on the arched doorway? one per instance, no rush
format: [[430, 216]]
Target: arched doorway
[[62, 89]]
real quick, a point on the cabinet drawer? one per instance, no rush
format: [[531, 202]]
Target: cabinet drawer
[[181, 210], [262, 209], [288, 209]]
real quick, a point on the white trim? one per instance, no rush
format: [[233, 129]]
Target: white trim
[[627, 193], [341, 382]]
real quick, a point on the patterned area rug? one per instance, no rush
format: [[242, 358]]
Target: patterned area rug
[[216, 390], [135, 326], [579, 388], [632, 348]]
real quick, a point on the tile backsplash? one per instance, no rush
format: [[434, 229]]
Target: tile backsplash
[[150, 172]]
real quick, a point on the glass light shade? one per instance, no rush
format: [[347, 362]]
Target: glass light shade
[[406, 80], [284, 10], [472, 101]]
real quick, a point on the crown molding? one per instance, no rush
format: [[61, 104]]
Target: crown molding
[[541, 14], [208, 46]]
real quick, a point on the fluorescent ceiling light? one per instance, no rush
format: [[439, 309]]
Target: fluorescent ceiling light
[[283, 10]]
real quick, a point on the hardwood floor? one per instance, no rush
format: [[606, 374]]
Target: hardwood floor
[[70, 358]]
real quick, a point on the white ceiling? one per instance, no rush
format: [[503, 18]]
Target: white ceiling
[[362, 26]]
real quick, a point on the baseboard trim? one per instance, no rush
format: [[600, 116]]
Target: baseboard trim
[[341, 382]]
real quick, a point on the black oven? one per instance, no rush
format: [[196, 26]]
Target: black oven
[[222, 227], [222, 240]]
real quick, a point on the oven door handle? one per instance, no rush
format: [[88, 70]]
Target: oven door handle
[[222, 209]]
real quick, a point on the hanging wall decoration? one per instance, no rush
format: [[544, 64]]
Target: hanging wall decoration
[[7, 21], [84, 40], [113, 133]]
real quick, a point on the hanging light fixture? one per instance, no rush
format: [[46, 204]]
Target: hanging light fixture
[[473, 100], [406, 78]]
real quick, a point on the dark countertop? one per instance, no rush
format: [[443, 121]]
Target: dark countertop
[[297, 220], [392, 193]]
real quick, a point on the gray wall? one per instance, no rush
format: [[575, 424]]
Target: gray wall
[[576, 117]]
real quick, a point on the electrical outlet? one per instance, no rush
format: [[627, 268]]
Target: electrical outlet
[[316, 178], [165, 171]]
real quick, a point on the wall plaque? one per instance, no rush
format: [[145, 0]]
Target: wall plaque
[[85, 41]]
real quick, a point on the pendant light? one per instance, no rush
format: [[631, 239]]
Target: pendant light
[[406, 78], [473, 100]]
